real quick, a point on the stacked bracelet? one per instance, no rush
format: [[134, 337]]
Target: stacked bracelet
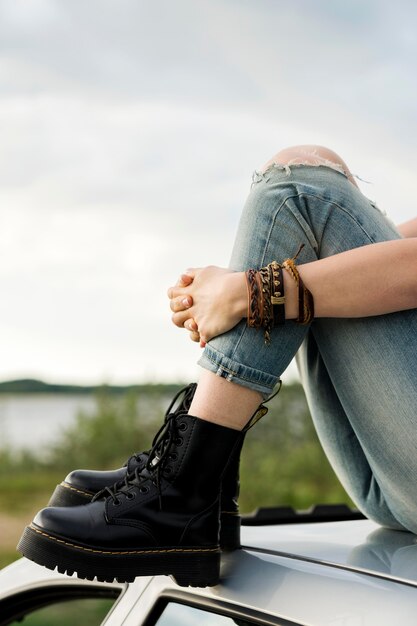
[[266, 301], [266, 298]]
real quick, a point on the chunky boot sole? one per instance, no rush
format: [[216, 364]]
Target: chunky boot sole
[[68, 495], [189, 567]]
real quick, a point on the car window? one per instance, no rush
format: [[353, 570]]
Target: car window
[[86, 612], [181, 615], [63, 605]]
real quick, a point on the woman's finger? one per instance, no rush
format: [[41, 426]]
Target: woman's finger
[[181, 303], [180, 318], [190, 272], [191, 325], [194, 336], [176, 291], [184, 280]]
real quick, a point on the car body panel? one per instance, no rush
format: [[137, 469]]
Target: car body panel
[[358, 545], [301, 592], [24, 575], [327, 574]]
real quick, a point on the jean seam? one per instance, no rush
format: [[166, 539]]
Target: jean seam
[[277, 210], [342, 208], [267, 242], [333, 204]]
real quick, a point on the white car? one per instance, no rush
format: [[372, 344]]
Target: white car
[[328, 573]]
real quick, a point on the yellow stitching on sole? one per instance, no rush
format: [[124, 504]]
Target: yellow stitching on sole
[[73, 545], [67, 486]]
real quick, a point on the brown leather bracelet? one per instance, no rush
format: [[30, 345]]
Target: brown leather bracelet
[[254, 319], [305, 297], [305, 304], [277, 293]]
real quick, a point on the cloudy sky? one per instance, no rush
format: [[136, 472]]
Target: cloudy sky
[[129, 131]]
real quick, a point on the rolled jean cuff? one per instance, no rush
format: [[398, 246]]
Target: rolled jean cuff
[[218, 363]]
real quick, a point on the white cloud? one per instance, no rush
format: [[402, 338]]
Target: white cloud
[[128, 138]]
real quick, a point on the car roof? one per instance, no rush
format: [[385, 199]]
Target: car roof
[[305, 573], [361, 545]]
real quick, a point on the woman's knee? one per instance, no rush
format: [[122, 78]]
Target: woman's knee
[[310, 155]]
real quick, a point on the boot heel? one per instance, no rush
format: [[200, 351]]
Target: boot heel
[[198, 571], [229, 531]]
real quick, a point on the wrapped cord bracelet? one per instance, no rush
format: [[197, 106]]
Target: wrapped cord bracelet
[[266, 296]]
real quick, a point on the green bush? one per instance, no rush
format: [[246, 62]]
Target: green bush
[[283, 463], [106, 438], [282, 460]]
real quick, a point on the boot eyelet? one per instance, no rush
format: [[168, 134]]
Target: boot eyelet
[[144, 489], [173, 456], [183, 426], [178, 441], [130, 495], [168, 470], [117, 502]]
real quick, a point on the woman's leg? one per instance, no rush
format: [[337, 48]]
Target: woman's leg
[[360, 381], [344, 449], [223, 403], [362, 403], [165, 520], [275, 220]]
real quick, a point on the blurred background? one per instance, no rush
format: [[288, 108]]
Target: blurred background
[[129, 134]]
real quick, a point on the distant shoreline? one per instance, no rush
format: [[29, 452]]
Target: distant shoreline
[[29, 385]]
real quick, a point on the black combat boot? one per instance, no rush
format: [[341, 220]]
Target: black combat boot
[[164, 519], [80, 486]]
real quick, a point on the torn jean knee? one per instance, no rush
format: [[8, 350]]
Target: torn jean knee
[[319, 161]]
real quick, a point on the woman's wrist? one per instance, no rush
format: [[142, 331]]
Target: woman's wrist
[[238, 293], [290, 290], [291, 297]]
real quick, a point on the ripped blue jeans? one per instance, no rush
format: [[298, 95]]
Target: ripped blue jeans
[[359, 375]]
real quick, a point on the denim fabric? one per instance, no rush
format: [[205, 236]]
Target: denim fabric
[[359, 375]]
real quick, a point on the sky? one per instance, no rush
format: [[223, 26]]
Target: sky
[[129, 131]]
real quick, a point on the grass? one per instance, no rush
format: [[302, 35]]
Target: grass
[[21, 492]]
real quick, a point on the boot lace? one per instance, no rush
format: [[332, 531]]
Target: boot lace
[[188, 394], [165, 438]]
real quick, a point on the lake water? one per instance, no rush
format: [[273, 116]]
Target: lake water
[[31, 420]]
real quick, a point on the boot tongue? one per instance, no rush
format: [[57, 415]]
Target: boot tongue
[[163, 441], [156, 458]]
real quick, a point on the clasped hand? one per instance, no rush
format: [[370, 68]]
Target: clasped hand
[[208, 301]]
